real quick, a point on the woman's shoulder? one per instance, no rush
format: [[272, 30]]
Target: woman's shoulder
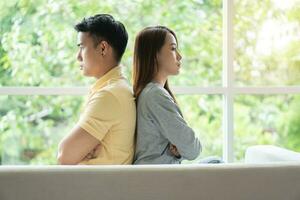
[[154, 92]]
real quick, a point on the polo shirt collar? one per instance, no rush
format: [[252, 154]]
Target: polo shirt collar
[[114, 73]]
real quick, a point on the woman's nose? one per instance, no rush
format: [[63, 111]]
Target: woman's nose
[[179, 57]]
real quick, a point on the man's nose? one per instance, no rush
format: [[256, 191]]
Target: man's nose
[[79, 57]]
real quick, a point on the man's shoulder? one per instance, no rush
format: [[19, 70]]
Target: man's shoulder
[[118, 90], [119, 87]]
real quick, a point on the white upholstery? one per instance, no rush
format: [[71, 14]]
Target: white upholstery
[[276, 181], [269, 153]]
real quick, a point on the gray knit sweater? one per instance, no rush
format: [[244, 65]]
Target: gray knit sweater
[[159, 124]]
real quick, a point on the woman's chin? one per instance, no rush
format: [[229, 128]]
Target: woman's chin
[[177, 71]]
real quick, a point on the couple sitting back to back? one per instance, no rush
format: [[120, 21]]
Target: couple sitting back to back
[[118, 126]]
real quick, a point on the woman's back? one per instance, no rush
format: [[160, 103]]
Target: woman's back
[[160, 124]]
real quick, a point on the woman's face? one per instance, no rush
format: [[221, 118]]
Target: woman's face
[[168, 57]]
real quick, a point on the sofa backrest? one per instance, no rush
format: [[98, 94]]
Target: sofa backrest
[[152, 182]]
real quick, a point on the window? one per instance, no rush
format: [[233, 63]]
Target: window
[[267, 71], [237, 87]]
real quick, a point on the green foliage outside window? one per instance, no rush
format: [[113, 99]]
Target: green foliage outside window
[[38, 48]]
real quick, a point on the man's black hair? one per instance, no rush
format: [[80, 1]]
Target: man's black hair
[[105, 27]]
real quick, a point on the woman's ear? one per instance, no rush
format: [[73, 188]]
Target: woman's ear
[[156, 64], [157, 58]]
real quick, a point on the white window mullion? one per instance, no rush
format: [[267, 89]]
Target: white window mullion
[[43, 90], [268, 90], [198, 90], [186, 90], [228, 81]]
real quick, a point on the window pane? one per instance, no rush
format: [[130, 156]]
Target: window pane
[[203, 113], [32, 126], [38, 43], [267, 42], [271, 120]]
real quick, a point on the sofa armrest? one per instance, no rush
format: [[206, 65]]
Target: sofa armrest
[[269, 153]]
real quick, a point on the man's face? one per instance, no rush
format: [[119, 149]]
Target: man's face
[[88, 55]]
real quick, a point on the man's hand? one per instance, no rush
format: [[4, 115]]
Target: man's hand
[[76, 146], [92, 154]]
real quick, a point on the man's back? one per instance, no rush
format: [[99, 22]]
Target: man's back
[[105, 131], [110, 115]]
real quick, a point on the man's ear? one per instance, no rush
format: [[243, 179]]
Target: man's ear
[[102, 47]]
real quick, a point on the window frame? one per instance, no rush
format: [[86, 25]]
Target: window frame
[[228, 90]]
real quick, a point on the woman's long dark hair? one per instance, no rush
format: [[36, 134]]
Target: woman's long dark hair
[[147, 45]]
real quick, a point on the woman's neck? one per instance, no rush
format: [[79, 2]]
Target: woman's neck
[[160, 79]]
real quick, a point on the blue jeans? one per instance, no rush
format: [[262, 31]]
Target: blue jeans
[[211, 160]]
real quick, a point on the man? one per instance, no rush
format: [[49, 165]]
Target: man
[[105, 131]]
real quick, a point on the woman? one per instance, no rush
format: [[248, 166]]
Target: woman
[[163, 137]]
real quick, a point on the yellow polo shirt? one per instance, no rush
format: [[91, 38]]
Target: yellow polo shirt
[[110, 116]]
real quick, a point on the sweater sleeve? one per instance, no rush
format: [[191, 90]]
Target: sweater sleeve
[[167, 115]]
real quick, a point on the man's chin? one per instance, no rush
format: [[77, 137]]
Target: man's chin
[[85, 73]]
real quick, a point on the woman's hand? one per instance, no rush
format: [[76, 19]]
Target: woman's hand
[[174, 151]]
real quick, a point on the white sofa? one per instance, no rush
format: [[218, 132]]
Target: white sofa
[[274, 181], [279, 181], [270, 153]]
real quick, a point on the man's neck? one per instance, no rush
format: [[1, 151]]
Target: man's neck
[[108, 67]]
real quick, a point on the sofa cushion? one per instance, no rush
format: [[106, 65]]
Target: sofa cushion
[[269, 153]]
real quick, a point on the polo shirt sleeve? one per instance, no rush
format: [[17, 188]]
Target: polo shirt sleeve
[[100, 114]]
